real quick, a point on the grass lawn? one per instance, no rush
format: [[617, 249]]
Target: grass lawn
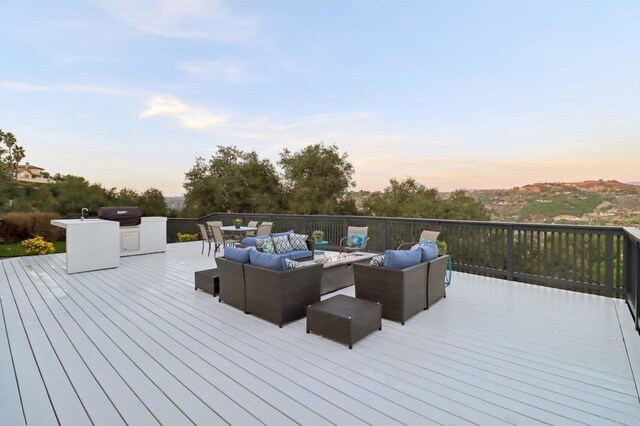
[[12, 250]]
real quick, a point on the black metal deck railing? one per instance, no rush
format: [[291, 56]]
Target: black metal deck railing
[[584, 258], [632, 272]]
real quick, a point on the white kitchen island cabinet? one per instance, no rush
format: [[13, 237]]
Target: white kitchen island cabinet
[[92, 244]]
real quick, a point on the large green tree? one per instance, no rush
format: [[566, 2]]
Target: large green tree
[[232, 180], [10, 154], [152, 203], [410, 198], [317, 180], [407, 198]]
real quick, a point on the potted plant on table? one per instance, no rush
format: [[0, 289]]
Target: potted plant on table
[[317, 235], [237, 223]]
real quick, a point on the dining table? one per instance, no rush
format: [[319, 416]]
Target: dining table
[[237, 232]]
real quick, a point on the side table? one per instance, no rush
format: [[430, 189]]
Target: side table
[[208, 281], [344, 318]]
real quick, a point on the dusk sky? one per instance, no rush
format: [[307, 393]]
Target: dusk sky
[[457, 94]]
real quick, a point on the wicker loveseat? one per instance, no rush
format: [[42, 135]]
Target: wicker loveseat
[[279, 296]]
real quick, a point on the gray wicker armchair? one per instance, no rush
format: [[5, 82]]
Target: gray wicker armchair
[[435, 279], [232, 283], [281, 296], [402, 293]]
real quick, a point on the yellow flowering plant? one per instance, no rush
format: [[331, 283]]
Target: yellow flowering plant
[[37, 245]]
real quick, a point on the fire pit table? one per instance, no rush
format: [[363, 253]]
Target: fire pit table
[[337, 269]]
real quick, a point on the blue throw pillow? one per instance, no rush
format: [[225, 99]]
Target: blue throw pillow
[[357, 240], [237, 254], [253, 241], [266, 260], [280, 234], [429, 250], [401, 259]]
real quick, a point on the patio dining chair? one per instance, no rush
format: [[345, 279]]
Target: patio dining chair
[[264, 229], [214, 223], [356, 239], [219, 240], [251, 224], [206, 235]]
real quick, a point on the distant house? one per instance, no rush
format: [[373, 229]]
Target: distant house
[[33, 174]]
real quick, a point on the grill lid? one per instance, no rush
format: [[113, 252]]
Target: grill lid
[[127, 216]]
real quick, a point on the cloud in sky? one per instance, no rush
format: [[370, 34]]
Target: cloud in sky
[[225, 69], [191, 19], [77, 88], [188, 116]]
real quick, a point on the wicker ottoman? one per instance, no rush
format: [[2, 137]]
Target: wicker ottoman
[[344, 319], [208, 281]]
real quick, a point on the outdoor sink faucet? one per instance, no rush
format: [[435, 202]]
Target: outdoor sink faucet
[[82, 212]]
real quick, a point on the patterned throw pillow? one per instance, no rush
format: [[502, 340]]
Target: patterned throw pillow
[[266, 245], [298, 241], [282, 244], [377, 261], [357, 240], [292, 264]]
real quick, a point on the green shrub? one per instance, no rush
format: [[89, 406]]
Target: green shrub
[[21, 226], [37, 245], [442, 247], [183, 238]]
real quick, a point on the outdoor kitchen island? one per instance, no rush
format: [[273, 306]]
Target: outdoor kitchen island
[[94, 244]]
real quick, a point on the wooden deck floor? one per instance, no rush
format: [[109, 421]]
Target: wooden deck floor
[[138, 345]]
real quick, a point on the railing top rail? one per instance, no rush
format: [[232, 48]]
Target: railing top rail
[[633, 234], [591, 228]]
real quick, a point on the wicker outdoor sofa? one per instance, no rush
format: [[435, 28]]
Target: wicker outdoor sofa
[[276, 296]]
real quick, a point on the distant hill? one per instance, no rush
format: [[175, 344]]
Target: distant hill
[[606, 202], [637, 183]]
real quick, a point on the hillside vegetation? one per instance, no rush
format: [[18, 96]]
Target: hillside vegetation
[[597, 202]]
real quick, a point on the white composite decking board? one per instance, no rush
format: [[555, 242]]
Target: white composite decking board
[[10, 405], [370, 408], [329, 410], [262, 329], [494, 351], [198, 376], [62, 394], [206, 352], [151, 360], [95, 401], [34, 396], [159, 404], [122, 397], [335, 368], [593, 419]]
